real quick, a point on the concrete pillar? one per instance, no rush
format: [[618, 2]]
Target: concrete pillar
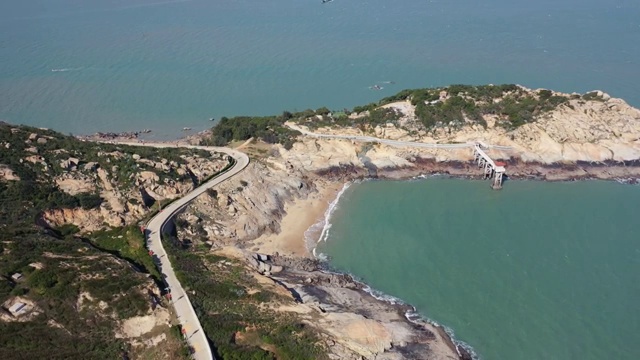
[[497, 181]]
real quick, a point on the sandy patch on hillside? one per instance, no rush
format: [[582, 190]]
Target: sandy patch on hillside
[[141, 325]]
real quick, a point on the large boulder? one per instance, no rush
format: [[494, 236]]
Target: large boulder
[[70, 164], [91, 166], [6, 174], [148, 176]]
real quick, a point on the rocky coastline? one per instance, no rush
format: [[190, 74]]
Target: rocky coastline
[[256, 211], [280, 183], [313, 283], [112, 136], [309, 278], [626, 172]]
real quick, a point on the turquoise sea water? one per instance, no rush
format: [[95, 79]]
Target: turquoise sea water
[[535, 271], [545, 271], [167, 64]]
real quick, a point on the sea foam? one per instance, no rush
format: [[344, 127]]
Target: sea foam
[[66, 69], [324, 224], [413, 315]]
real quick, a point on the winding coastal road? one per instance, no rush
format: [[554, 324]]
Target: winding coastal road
[[184, 310], [396, 143]]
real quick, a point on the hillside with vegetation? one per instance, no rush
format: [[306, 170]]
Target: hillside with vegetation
[[433, 108], [71, 281], [237, 312], [75, 289]]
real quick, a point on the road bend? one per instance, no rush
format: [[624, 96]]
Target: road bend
[[180, 299]]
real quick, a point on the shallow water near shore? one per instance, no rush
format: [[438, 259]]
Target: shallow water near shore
[[538, 270], [122, 65]]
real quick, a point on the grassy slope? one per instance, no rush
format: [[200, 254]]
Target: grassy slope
[[70, 265]]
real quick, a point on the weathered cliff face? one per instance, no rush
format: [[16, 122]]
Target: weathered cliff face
[[582, 131], [87, 220], [356, 325], [604, 129], [247, 206], [126, 200]]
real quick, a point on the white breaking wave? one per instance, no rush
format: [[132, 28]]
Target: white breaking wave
[[414, 317], [66, 69], [153, 4], [324, 235], [320, 256], [382, 296], [325, 223]]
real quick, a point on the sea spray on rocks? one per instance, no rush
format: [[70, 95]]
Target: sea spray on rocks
[[464, 350]]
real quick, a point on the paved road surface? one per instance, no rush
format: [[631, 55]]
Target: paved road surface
[[186, 315], [396, 143]]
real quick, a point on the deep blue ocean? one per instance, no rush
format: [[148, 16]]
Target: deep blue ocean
[[86, 66]]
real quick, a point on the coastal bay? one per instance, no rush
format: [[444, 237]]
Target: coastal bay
[[581, 138], [537, 270], [331, 243]]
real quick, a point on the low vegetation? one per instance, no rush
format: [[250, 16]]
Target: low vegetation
[[78, 287], [233, 309], [267, 128], [55, 271], [127, 243], [454, 105]]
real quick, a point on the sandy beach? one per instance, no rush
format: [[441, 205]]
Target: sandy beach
[[301, 214]]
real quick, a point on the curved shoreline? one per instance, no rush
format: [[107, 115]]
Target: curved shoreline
[[456, 169], [324, 223], [464, 350], [630, 174]]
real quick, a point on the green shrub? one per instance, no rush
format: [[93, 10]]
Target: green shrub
[[592, 96], [225, 307], [67, 229]]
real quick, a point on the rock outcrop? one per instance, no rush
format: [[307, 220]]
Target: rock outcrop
[[6, 174], [125, 200], [247, 206], [598, 130], [352, 323]]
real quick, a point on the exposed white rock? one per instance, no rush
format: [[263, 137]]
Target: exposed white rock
[[6, 174], [75, 186], [70, 164]]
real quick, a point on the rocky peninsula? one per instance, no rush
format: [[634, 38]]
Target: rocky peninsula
[[243, 249], [289, 185]]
